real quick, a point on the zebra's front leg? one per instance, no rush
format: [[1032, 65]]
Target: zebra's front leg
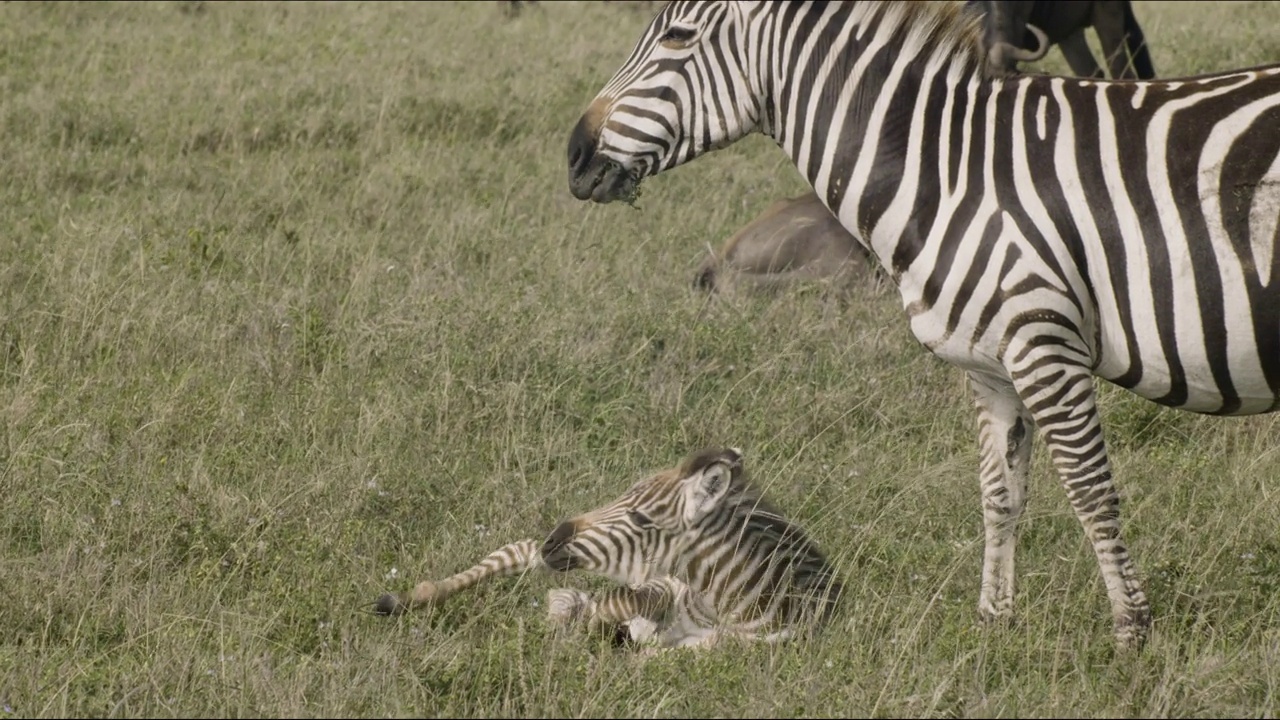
[[1062, 400], [567, 607], [653, 601], [1005, 433]]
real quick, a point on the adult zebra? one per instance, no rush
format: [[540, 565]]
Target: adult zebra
[[1041, 230]]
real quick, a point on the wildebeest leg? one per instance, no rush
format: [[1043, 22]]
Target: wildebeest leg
[[1075, 48], [1137, 43], [1108, 21]]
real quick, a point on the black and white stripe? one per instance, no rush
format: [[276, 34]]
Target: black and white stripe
[[1041, 230], [701, 555], [697, 550]]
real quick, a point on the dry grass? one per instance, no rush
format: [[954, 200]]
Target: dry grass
[[293, 295]]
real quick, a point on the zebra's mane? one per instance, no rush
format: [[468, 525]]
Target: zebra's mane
[[935, 25], [748, 505]]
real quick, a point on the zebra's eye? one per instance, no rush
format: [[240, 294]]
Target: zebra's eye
[[677, 35], [640, 519]]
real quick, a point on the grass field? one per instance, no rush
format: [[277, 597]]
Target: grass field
[[296, 309]]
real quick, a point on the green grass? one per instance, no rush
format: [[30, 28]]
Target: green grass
[[295, 294]]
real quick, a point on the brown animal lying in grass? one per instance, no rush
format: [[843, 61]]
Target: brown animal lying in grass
[[769, 581], [793, 239]]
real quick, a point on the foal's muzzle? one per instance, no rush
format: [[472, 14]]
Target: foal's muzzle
[[555, 550]]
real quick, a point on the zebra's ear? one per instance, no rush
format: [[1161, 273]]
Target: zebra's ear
[[707, 487]]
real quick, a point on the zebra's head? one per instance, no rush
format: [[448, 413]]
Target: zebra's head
[[636, 537], [686, 89]]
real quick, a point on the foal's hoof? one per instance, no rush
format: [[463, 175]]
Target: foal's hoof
[[388, 604]]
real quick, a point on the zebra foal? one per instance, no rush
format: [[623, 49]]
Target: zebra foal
[[1042, 231], [699, 552]]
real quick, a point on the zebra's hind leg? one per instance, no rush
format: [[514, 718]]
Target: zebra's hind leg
[[1062, 399], [1005, 433]]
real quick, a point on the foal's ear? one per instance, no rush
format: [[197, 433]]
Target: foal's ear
[[709, 481]]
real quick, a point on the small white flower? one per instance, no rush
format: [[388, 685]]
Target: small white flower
[[115, 502], [828, 664], [481, 529], [392, 574], [1247, 556]]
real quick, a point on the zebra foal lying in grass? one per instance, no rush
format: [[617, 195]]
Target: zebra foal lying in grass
[[700, 552]]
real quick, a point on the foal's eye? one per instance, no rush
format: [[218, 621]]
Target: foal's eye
[[640, 518], [677, 35]]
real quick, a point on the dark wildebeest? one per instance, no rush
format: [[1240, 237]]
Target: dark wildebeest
[[1007, 25], [513, 6], [793, 239]]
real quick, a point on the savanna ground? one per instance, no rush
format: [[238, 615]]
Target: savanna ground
[[296, 308]]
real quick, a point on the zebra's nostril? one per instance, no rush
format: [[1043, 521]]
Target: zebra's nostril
[[581, 148]]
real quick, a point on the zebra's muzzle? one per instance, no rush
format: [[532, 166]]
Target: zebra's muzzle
[[555, 551], [593, 176]]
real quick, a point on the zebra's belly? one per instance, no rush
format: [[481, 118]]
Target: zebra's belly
[[1192, 361], [1232, 385], [1203, 377]]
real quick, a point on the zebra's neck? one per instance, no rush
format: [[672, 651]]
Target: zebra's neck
[[704, 560], [847, 81]]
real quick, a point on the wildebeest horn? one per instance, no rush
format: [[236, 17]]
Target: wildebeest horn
[[1001, 49]]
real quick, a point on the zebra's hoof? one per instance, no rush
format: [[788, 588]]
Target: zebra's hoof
[[388, 604], [621, 637]]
